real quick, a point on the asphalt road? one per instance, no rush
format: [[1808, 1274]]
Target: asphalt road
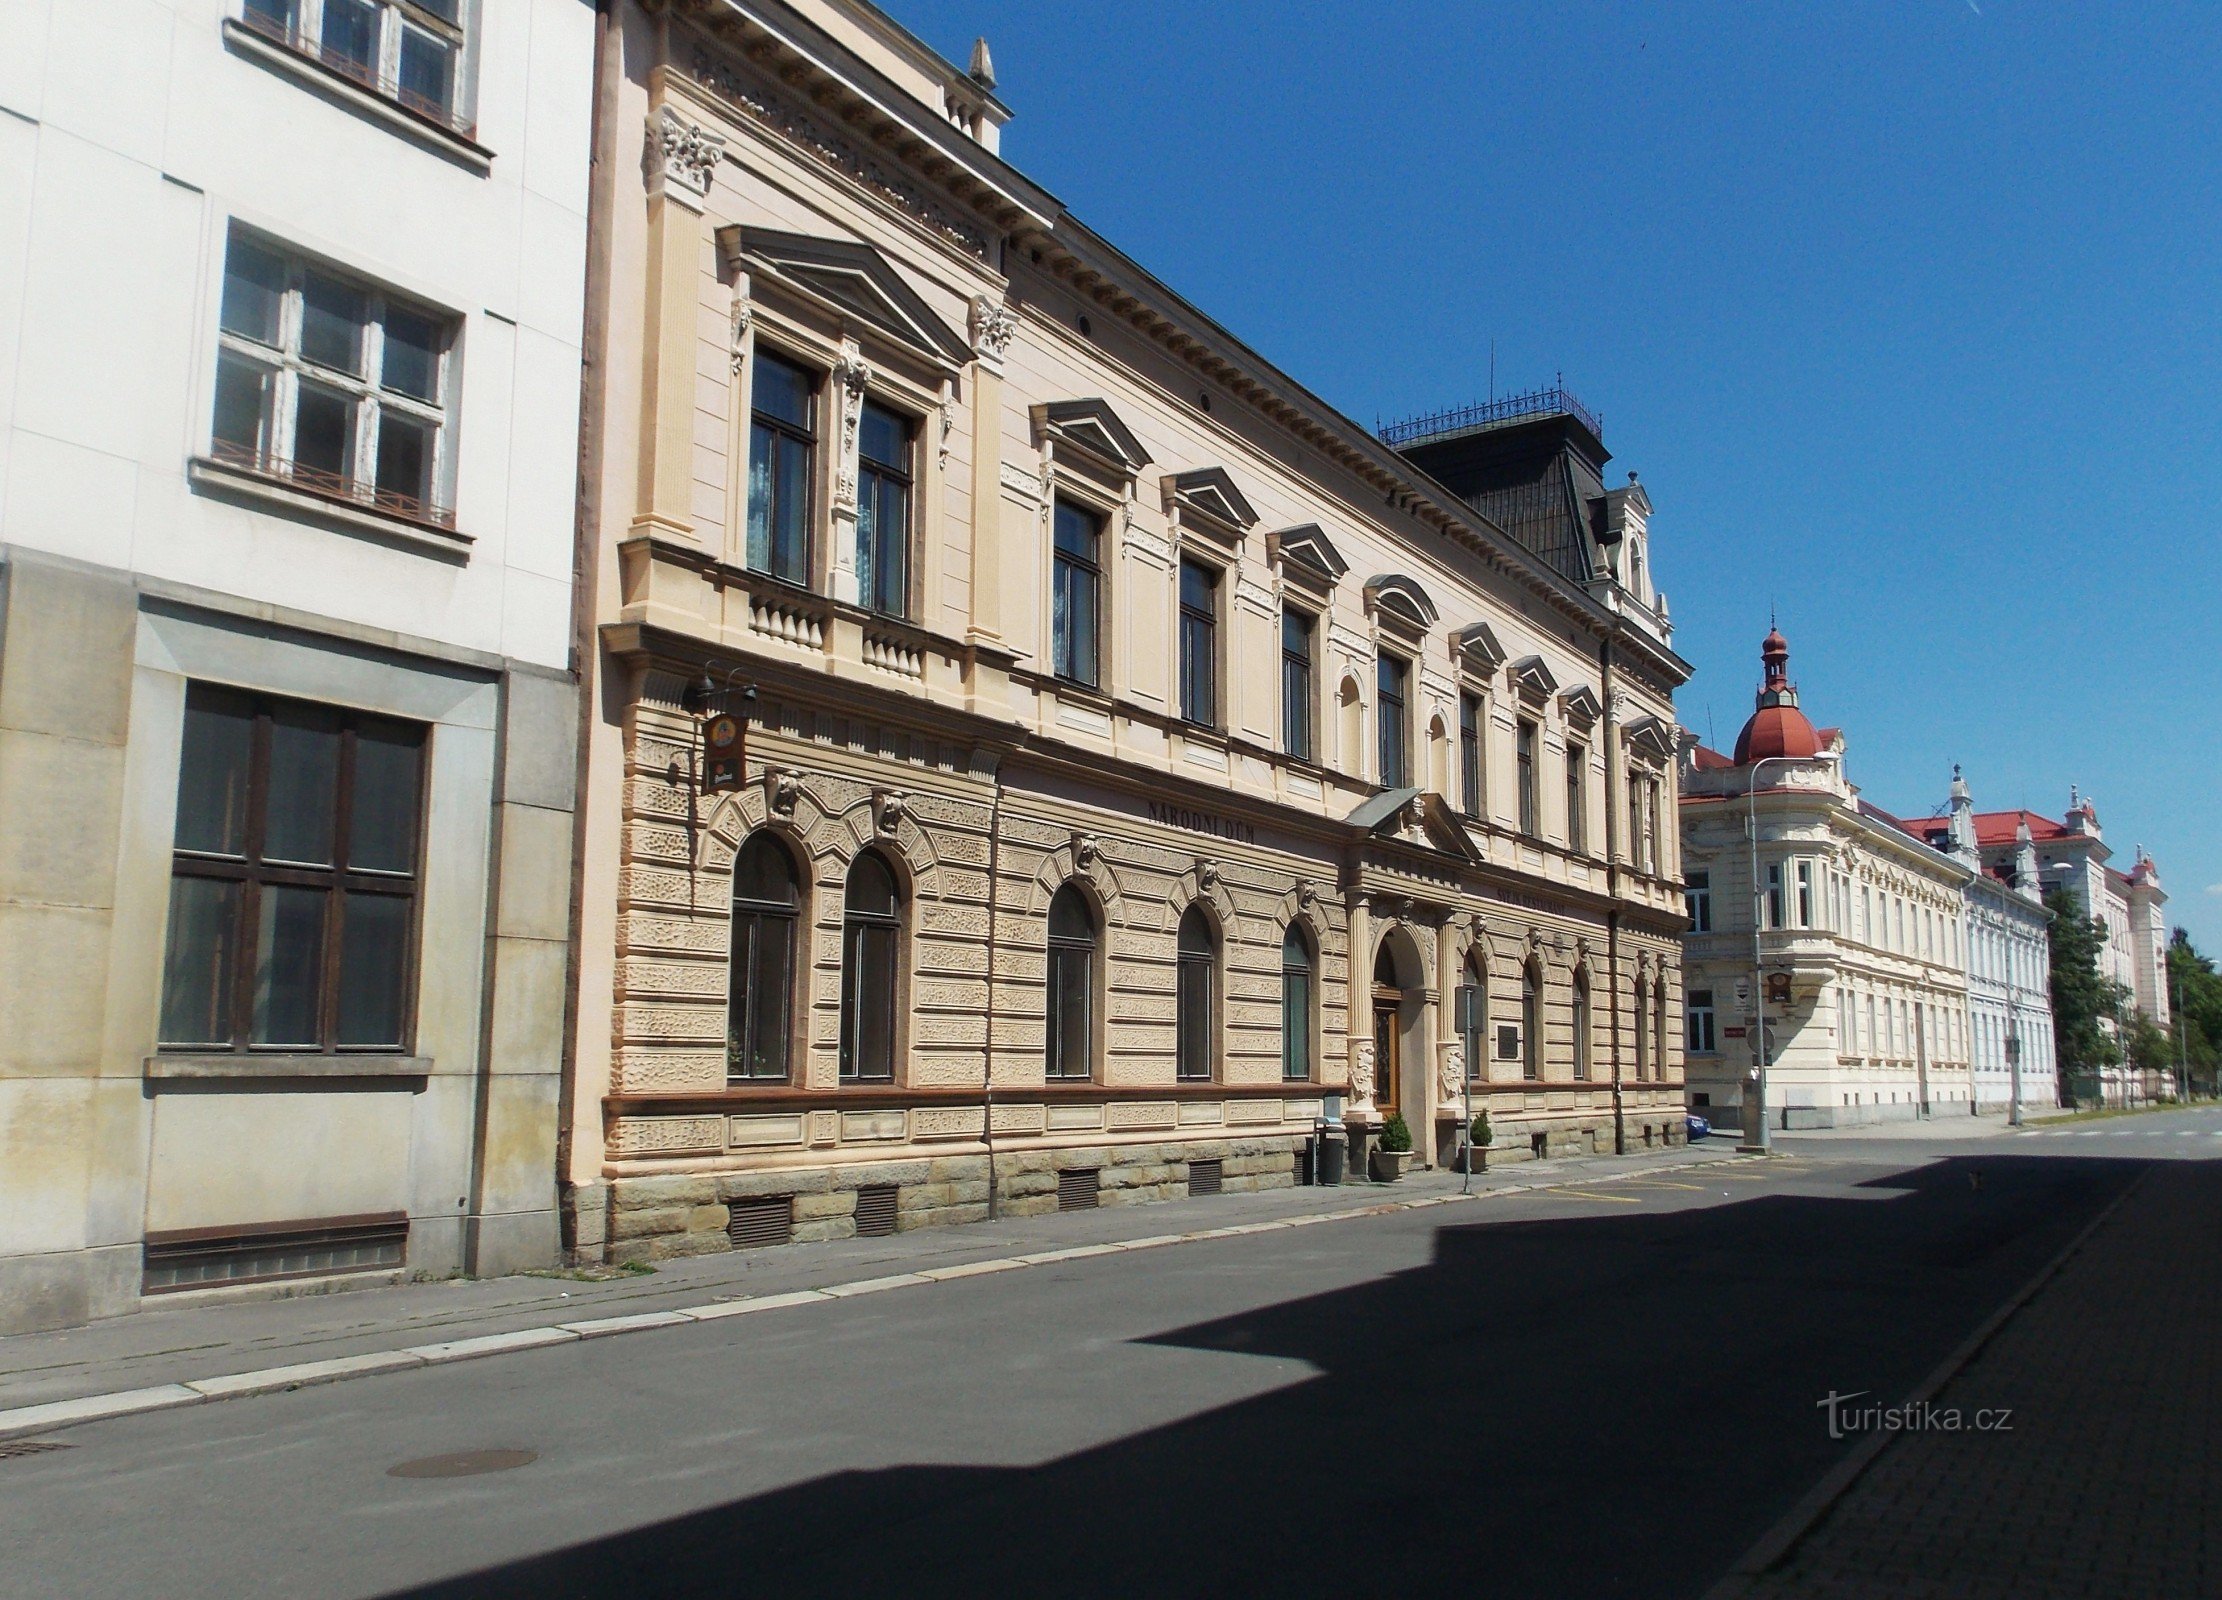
[[1597, 1393]]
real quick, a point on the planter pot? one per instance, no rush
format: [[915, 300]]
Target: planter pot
[[1475, 1158], [1389, 1165]]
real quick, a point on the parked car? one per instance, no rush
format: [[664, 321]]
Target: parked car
[[1696, 1126]]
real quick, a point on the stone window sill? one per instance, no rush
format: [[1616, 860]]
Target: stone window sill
[[238, 483], [457, 147], [225, 1065]]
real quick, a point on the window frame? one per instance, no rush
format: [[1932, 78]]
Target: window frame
[[1392, 737], [1303, 1002], [1531, 1021], [1088, 951], [1527, 733], [252, 872], [1700, 1023], [298, 27], [779, 429], [874, 474], [1476, 1038], [1199, 643], [740, 967], [1063, 664], [1196, 986], [285, 369], [1472, 715], [1581, 1007], [1697, 900], [1577, 798], [1300, 711], [856, 927]]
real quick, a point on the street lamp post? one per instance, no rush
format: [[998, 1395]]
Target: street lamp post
[[1756, 1140]]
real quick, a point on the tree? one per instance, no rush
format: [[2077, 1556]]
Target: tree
[[2195, 1000], [2085, 1002]]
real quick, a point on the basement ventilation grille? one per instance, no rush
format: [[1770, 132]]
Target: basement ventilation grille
[[1079, 1188], [875, 1211], [1204, 1177], [762, 1220], [204, 1258]]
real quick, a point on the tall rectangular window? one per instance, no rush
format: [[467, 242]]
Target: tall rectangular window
[[1199, 643], [1296, 683], [1698, 1005], [1523, 746], [1391, 675], [1076, 583], [1774, 894], [293, 890], [407, 51], [1469, 754], [885, 445], [1697, 895], [1577, 787], [1805, 894], [782, 449], [332, 385]]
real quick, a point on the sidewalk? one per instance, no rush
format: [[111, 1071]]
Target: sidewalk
[[2102, 1481], [144, 1360]]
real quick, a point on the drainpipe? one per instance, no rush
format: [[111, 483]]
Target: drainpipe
[[585, 553], [987, 1054], [1613, 785]]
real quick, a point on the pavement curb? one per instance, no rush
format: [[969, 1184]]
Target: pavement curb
[[1777, 1543], [55, 1414]]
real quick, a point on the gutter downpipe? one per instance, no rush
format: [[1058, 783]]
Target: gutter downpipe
[[1613, 782], [585, 567], [987, 1053]]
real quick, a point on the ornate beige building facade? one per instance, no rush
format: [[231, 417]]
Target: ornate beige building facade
[[1139, 755]]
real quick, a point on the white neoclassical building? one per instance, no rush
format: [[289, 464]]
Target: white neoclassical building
[[2036, 853], [2011, 1052], [1827, 918], [289, 372]]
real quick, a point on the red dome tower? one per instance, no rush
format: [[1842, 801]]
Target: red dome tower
[[1777, 727]]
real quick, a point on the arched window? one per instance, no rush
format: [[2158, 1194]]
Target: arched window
[[1643, 1028], [871, 948], [1531, 1020], [761, 975], [1194, 1002], [1070, 1044], [1581, 1022], [1296, 1005], [1477, 1035]]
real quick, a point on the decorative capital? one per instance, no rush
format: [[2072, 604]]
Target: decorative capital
[[685, 154], [992, 325], [889, 808], [1207, 873], [853, 370], [1085, 851], [782, 789]]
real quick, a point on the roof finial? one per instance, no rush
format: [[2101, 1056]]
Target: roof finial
[[983, 64]]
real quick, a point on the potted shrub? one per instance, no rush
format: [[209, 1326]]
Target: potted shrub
[[1478, 1139], [1393, 1150]]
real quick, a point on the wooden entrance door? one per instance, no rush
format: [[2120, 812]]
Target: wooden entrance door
[[1388, 1067]]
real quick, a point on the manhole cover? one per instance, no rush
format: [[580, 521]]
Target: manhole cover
[[11, 1448], [464, 1464]]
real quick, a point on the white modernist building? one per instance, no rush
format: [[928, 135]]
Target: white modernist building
[[289, 376]]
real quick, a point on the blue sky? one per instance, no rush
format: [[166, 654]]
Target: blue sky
[[1907, 314]]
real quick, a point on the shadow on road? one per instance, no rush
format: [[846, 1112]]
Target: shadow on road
[[1616, 1403]]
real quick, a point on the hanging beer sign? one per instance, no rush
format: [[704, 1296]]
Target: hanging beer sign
[[724, 748]]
